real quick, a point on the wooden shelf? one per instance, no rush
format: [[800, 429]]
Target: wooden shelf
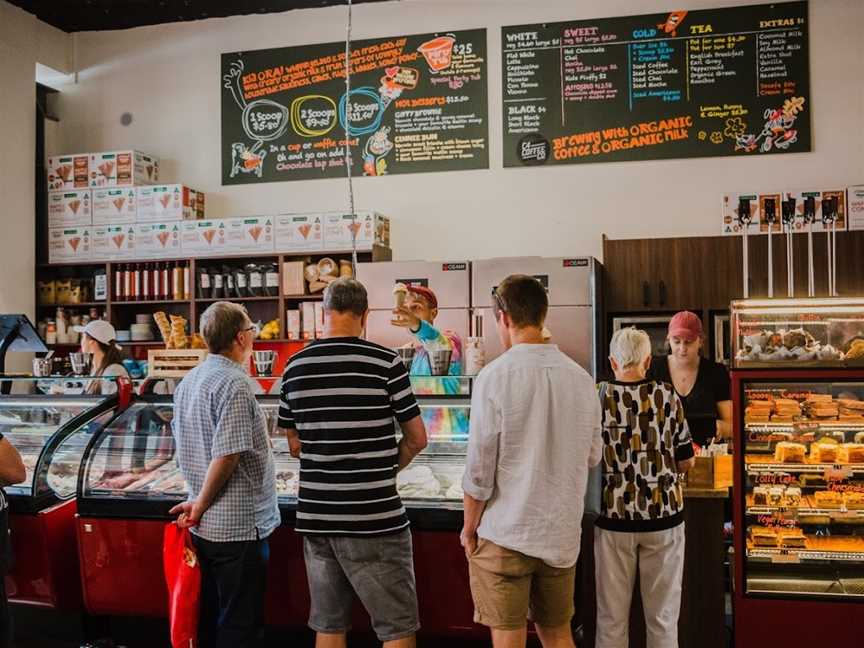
[[210, 300], [157, 302], [282, 341], [311, 297], [81, 305]]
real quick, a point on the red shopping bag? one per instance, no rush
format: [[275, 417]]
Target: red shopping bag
[[183, 577]]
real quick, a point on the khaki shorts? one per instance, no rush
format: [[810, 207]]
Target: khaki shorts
[[509, 588]]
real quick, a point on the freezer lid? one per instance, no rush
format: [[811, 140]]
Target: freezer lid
[[568, 280], [450, 280], [381, 331], [572, 329]]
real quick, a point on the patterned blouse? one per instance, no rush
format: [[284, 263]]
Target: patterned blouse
[[645, 434]]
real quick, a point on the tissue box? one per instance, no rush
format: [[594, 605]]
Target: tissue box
[[170, 202], [69, 244], [67, 172], [70, 208], [114, 206], [122, 169]]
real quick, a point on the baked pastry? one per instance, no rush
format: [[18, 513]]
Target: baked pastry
[[178, 333], [819, 398], [164, 327], [859, 437], [763, 536], [760, 496], [793, 538], [786, 452], [856, 350], [851, 453], [775, 495], [824, 451], [828, 499], [854, 500], [792, 496], [851, 404], [786, 420]]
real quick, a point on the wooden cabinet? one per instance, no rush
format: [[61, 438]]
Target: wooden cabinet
[[705, 273]]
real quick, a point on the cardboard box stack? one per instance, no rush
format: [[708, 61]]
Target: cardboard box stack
[[113, 198]]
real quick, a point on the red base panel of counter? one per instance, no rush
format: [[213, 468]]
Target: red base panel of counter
[[45, 570], [121, 573]]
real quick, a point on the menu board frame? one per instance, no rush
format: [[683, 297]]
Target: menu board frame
[[657, 86], [419, 103]]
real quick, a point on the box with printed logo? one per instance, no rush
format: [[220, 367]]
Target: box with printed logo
[[157, 240], [203, 238], [69, 244], [371, 229], [299, 232], [70, 208], [122, 169], [114, 242], [168, 202], [67, 172], [251, 234], [114, 206]]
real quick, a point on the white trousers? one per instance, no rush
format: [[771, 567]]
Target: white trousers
[[659, 556]]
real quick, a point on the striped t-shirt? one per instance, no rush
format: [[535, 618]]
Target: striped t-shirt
[[342, 395]]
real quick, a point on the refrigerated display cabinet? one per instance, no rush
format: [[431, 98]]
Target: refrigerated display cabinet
[[130, 479], [49, 421], [799, 506]]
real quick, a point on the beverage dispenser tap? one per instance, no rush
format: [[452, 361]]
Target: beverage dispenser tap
[[829, 222], [770, 207], [809, 217], [744, 219], [788, 217]]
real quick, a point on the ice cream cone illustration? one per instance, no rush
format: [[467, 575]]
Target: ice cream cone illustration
[[163, 238], [118, 240], [165, 199], [304, 230], [118, 203], [208, 235], [106, 168], [64, 171], [74, 205], [74, 242], [438, 52], [149, 168], [255, 232]]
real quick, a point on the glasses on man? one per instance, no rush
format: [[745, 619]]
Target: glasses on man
[[253, 328], [498, 301]]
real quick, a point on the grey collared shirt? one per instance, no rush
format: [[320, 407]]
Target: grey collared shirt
[[215, 415]]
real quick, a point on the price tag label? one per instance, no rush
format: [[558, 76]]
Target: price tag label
[[838, 472], [785, 557]]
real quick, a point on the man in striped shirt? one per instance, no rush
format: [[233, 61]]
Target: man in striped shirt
[[340, 397]]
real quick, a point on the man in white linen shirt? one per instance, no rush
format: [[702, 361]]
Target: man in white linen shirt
[[535, 431]]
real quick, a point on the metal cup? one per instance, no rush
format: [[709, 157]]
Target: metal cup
[[439, 361], [264, 361], [42, 367], [406, 354], [80, 363]]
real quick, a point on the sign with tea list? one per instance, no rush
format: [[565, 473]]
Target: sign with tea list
[[678, 84], [418, 103]]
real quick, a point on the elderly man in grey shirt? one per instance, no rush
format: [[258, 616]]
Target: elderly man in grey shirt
[[535, 430], [225, 456]]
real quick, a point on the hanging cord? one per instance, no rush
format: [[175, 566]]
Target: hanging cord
[[348, 143]]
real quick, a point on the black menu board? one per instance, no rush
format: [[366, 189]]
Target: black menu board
[[418, 103], [731, 81]]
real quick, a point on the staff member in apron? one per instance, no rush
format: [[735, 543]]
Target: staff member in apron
[[701, 384], [100, 339], [12, 471]]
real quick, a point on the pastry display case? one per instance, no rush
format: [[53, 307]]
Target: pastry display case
[[799, 502], [810, 333]]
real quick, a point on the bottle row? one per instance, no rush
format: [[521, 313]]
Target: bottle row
[[162, 281]]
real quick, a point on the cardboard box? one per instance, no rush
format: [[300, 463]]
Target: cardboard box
[[70, 208], [203, 238], [167, 203], [67, 172], [122, 169], [293, 281], [199, 205], [69, 244], [319, 320], [711, 472], [114, 242], [372, 229], [158, 240], [307, 320], [855, 198], [252, 234], [299, 232], [292, 330], [114, 206]]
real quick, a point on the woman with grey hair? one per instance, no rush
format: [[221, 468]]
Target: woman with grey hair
[[647, 446]]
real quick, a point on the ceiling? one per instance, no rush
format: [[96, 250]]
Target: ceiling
[[92, 15]]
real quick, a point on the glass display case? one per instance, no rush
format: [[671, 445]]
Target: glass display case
[[803, 478], [49, 421], [822, 333], [133, 459]]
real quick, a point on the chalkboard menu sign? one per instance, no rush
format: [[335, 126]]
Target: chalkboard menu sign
[[418, 103], [731, 81]]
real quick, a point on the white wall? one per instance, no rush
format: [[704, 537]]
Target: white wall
[[24, 41], [168, 77]]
